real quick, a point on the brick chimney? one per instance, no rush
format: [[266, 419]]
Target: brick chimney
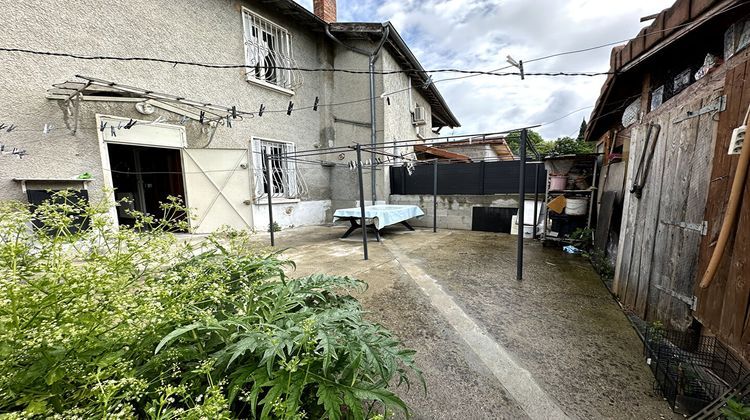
[[325, 9]]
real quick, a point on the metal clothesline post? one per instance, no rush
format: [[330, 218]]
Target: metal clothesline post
[[434, 194], [536, 198], [363, 225], [269, 182], [521, 200]]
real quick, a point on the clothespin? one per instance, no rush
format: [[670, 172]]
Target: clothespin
[[130, 124], [351, 165], [229, 122], [2, 126], [47, 128], [119, 125], [201, 117], [260, 112], [183, 120], [517, 64], [315, 105], [427, 83], [289, 108], [102, 125], [2, 148], [112, 131], [388, 100], [11, 128], [234, 113]]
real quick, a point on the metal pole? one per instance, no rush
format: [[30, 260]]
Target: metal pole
[[521, 200], [373, 129], [434, 194], [361, 200], [536, 198], [269, 182]]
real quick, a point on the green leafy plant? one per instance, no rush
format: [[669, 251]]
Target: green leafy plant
[[582, 238], [274, 227], [101, 322], [601, 264], [655, 332], [735, 410]]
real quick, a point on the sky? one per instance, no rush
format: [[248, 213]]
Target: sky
[[479, 34]]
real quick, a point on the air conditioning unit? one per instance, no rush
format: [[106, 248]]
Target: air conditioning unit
[[417, 117], [422, 132]]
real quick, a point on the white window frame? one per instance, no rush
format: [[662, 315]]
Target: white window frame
[[284, 177], [267, 42]]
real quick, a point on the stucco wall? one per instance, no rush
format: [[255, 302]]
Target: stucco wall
[[352, 120], [209, 31], [193, 30]]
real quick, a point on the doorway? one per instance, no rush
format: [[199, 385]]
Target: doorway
[[145, 177]]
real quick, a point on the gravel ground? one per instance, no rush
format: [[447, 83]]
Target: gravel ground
[[560, 324]]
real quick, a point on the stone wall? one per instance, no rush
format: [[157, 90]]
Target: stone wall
[[453, 211]]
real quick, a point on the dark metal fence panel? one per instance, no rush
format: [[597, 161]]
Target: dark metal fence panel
[[481, 178]]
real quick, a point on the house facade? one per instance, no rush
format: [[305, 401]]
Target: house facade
[[145, 129], [664, 122]]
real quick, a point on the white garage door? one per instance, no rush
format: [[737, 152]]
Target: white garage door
[[217, 185]]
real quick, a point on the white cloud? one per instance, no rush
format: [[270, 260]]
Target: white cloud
[[479, 34]]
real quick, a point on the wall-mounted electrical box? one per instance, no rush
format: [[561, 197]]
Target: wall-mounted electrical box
[[738, 137]]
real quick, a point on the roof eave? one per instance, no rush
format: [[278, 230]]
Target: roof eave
[[442, 113]]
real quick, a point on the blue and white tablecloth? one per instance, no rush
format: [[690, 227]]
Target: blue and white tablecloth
[[381, 215]]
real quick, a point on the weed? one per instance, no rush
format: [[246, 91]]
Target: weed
[[98, 322]]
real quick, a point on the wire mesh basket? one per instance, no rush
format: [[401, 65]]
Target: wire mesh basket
[[690, 370]]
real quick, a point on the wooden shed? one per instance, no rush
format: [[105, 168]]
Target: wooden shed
[[664, 121]]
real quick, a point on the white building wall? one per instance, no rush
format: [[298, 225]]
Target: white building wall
[[191, 30]]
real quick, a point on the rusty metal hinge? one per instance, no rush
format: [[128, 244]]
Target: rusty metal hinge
[[701, 228], [719, 105], [692, 302]]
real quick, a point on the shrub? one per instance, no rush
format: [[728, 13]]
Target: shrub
[[131, 322]]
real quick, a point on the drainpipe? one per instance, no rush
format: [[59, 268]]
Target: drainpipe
[[372, 57]]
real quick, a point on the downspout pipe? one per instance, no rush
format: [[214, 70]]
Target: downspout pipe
[[732, 212], [372, 58]]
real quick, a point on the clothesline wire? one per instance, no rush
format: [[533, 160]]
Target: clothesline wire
[[418, 141], [174, 62], [301, 69]]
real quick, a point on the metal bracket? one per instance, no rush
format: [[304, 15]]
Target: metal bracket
[[718, 106], [701, 228], [692, 302]]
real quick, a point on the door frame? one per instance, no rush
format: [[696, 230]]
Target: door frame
[[178, 141]]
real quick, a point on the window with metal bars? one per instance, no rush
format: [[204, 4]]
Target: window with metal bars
[[268, 51], [283, 179]]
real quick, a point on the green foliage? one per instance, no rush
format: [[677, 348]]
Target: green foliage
[[735, 410], [582, 238], [130, 322], [655, 332], [514, 138], [601, 264], [561, 146], [274, 227], [571, 146], [582, 131]]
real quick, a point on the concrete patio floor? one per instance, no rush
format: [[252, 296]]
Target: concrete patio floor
[[555, 345]]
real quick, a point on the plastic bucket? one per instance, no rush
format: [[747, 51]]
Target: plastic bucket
[[576, 206], [558, 182]]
